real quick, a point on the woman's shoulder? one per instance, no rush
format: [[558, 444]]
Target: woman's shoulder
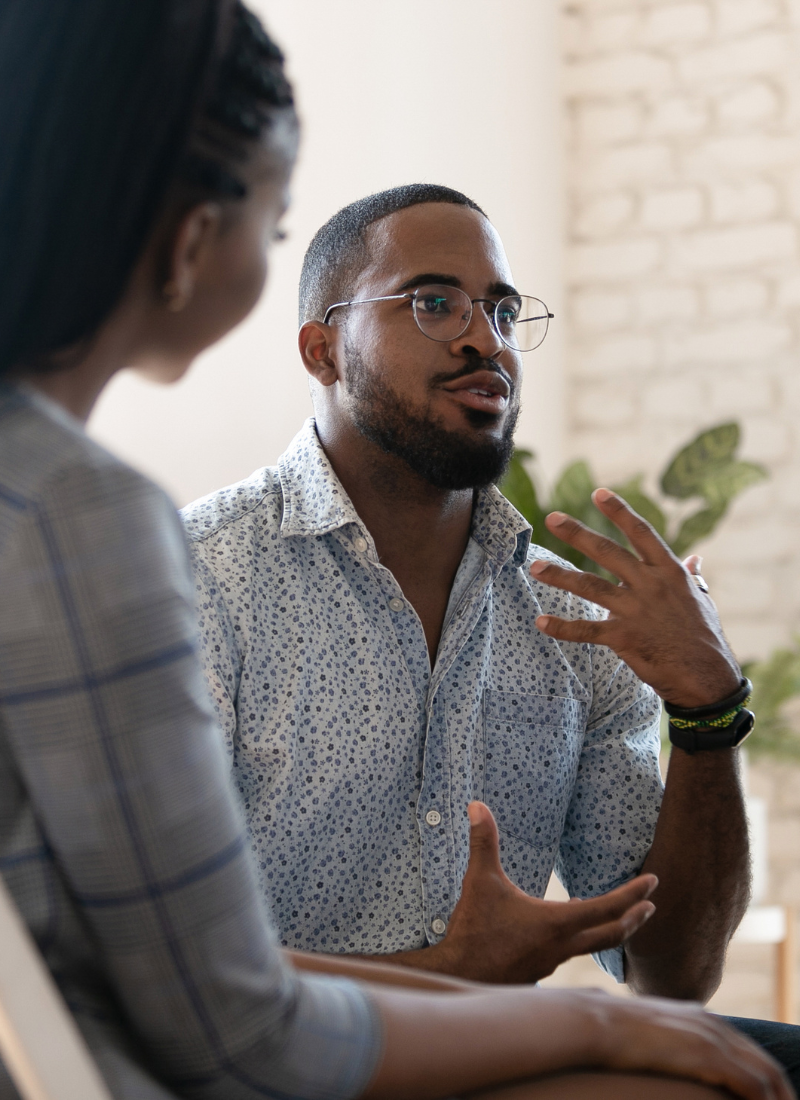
[[45, 451], [52, 473]]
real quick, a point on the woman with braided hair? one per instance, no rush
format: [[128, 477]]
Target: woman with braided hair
[[146, 152]]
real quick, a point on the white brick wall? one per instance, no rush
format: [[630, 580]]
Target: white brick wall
[[684, 264]]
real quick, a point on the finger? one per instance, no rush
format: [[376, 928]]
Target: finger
[[604, 907], [741, 1065], [645, 540], [484, 842], [591, 913], [613, 933], [747, 1070], [606, 552], [693, 564], [574, 630], [588, 585], [694, 1044]]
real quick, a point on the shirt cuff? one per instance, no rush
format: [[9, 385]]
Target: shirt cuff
[[612, 961], [335, 1042]]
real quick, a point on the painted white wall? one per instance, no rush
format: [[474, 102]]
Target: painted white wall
[[460, 92]]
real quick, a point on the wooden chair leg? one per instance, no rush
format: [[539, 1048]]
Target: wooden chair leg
[[786, 973]]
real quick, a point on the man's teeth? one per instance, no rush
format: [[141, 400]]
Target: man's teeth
[[483, 393]]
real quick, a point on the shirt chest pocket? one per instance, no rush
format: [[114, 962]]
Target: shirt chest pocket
[[532, 746]]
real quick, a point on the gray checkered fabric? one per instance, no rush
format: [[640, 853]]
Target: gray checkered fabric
[[119, 837]]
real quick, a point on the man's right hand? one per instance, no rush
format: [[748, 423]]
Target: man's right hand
[[499, 934]]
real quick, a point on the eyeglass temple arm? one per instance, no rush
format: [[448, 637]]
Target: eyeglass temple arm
[[363, 302]]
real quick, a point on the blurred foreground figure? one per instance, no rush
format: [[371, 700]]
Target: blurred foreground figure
[[147, 147]]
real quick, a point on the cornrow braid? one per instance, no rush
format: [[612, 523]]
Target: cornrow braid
[[249, 89]]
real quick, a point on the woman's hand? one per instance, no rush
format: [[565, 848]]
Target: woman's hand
[[681, 1039], [438, 1045]]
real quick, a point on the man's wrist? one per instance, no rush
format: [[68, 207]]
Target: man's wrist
[[709, 693]]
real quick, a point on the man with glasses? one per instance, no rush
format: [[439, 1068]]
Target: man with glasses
[[385, 649]]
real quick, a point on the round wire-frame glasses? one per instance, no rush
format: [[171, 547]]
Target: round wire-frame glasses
[[444, 313]]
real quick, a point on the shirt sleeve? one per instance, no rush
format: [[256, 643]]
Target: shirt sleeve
[[612, 815], [220, 655], [106, 713]]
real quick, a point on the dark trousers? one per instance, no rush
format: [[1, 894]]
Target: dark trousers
[[782, 1041]]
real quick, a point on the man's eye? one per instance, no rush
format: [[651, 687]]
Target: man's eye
[[508, 312], [433, 303]]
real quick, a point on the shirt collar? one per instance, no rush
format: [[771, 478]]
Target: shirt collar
[[499, 528], [315, 502]]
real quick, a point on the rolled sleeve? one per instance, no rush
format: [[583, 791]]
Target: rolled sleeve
[[613, 812]]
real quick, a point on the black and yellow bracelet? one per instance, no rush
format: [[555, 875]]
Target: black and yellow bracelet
[[695, 729]]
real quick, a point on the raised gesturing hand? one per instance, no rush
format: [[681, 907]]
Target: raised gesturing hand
[[497, 933], [660, 622]]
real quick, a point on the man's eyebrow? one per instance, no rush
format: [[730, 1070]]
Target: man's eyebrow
[[503, 290], [499, 290], [429, 277]]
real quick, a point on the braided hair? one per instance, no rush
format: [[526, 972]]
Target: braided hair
[[250, 87], [108, 110]]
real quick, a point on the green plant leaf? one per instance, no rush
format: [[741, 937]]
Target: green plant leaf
[[647, 508], [775, 682], [697, 526], [573, 491], [685, 475], [726, 481]]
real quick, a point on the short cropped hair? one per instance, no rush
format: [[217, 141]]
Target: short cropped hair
[[339, 252]]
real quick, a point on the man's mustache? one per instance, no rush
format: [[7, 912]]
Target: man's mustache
[[472, 366]]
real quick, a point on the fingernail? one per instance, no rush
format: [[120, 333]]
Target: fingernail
[[699, 564], [543, 621], [474, 813], [602, 495], [557, 517], [539, 566]]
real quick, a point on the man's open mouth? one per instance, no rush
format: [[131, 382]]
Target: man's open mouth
[[484, 390]]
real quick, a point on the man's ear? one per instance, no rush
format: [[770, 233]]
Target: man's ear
[[192, 244], [317, 343]]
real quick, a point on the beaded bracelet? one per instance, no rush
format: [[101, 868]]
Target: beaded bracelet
[[722, 722], [693, 714]]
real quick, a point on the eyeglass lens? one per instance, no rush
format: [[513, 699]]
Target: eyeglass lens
[[444, 312]]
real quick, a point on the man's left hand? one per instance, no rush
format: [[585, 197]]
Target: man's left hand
[[660, 622]]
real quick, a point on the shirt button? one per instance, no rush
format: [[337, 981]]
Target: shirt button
[[396, 604], [433, 817], [438, 926], [360, 544]]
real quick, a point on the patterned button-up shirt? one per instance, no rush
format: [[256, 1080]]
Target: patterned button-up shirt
[[355, 760], [121, 841]]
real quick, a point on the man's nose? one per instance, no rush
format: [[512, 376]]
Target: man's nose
[[481, 336]]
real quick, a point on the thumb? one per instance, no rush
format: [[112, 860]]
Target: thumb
[[694, 564], [484, 842]]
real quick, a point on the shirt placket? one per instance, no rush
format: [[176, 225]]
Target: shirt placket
[[437, 800]]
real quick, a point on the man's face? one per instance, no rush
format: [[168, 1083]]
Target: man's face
[[448, 409]]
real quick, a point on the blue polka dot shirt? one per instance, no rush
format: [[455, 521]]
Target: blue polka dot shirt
[[355, 761]]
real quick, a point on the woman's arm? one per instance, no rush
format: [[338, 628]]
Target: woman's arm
[[438, 1045], [343, 966], [434, 1046]]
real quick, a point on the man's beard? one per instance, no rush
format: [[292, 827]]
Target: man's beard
[[446, 459]]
